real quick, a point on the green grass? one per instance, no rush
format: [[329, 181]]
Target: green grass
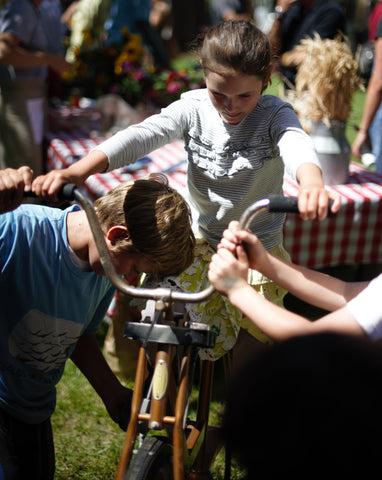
[[88, 443]]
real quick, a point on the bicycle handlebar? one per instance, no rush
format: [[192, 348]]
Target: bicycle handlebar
[[274, 204]]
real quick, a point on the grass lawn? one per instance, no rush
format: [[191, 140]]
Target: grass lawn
[[88, 443]]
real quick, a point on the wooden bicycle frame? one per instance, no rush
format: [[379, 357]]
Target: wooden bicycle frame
[[188, 450]]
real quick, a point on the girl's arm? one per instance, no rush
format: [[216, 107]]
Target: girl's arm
[[313, 198], [77, 173], [123, 148], [302, 164]]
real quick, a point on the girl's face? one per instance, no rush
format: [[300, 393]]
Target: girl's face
[[234, 95]]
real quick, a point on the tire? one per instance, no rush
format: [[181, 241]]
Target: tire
[[153, 461]]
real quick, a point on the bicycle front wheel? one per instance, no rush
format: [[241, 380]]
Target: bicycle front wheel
[[153, 461]]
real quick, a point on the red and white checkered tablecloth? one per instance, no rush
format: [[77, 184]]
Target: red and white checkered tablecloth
[[354, 235]]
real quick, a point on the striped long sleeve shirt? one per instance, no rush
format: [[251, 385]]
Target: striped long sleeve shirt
[[229, 166]]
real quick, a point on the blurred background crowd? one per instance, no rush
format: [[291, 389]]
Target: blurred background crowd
[[78, 51]]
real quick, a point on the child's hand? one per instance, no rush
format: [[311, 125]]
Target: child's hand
[[13, 183], [227, 271], [230, 240], [233, 237], [313, 202], [49, 185]]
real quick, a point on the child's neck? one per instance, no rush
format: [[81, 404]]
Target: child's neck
[[79, 233]]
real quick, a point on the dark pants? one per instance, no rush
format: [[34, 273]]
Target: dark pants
[[26, 451]]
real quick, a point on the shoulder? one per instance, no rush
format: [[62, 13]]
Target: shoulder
[[272, 103], [36, 216], [18, 18], [19, 10], [199, 95], [194, 102]]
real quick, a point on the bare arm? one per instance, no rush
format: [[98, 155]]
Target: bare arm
[[274, 34], [372, 102], [12, 54], [89, 359], [280, 324], [229, 270]]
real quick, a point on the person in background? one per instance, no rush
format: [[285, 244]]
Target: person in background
[[222, 10], [135, 15], [373, 142], [374, 18], [85, 17], [295, 20], [54, 295], [29, 45], [162, 20], [369, 132]]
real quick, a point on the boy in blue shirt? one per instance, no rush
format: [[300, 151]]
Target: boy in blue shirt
[[54, 295]]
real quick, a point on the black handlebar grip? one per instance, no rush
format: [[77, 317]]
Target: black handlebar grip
[[67, 192], [281, 204]]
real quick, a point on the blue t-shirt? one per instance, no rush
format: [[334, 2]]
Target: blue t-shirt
[[46, 304], [125, 13]]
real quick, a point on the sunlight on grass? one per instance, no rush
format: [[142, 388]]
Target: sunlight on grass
[[87, 441]]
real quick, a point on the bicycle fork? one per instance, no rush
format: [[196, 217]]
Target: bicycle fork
[[188, 451]]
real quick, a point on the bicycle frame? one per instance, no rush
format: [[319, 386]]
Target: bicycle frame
[[189, 441]]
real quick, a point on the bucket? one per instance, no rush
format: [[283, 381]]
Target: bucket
[[333, 151]]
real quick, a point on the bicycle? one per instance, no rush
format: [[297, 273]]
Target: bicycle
[[161, 441]]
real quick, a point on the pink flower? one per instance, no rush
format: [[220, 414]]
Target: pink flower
[[174, 87]]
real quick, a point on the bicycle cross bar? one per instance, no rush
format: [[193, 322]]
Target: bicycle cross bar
[[274, 203]]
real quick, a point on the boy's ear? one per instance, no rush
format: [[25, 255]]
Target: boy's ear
[[267, 79], [118, 232]]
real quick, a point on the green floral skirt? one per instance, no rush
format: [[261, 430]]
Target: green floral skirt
[[225, 320]]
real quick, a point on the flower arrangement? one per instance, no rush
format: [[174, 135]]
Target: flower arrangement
[[127, 70], [326, 79]]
